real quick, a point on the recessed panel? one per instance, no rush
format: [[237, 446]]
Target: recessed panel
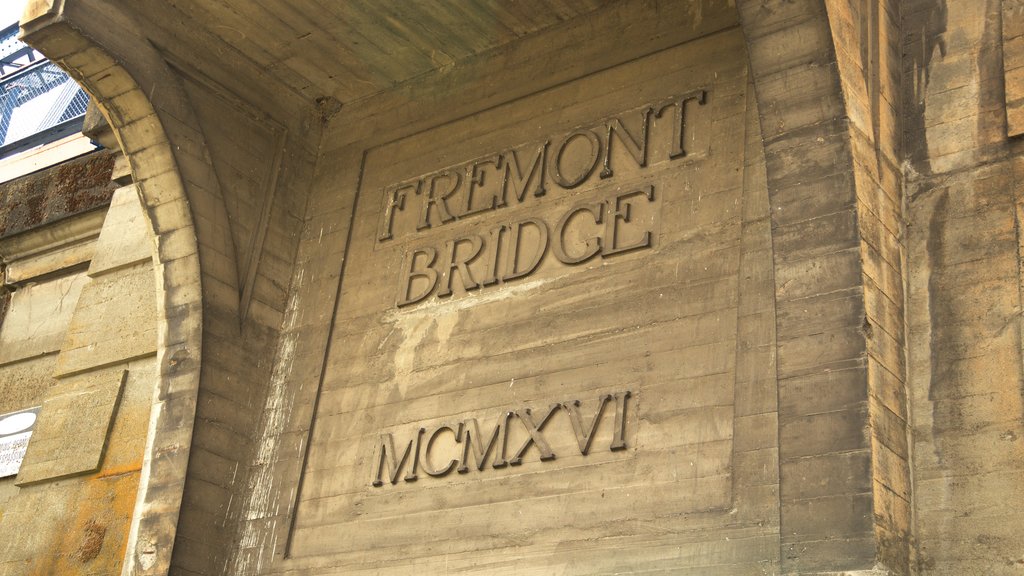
[[536, 337]]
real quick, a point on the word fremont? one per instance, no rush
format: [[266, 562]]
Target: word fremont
[[476, 448], [529, 174]]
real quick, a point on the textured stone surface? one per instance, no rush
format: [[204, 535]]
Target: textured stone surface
[[1013, 65], [38, 316], [88, 512], [115, 320], [73, 187], [964, 255], [25, 383], [74, 423], [60, 248], [872, 334], [85, 469], [125, 238]]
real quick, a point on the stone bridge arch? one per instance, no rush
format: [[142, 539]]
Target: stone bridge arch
[[156, 129], [835, 206]]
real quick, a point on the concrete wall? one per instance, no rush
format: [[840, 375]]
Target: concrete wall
[[78, 340], [681, 326], [821, 341], [963, 197]]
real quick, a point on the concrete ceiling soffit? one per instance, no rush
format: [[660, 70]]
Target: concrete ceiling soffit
[[274, 50], [203, 46]]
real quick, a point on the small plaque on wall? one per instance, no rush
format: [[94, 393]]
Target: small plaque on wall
[[15, 430]]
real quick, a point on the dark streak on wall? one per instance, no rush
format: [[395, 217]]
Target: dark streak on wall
[[925, 23], [5, 297]]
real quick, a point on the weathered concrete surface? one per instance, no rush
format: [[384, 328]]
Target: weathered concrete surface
[[76, 188], [115, 320], [850, 291], [125, 238], [867, 39], [965, 363], [80, 525], [70, 509], [830, 148], [25, 382], [38, 317], [42, 279], [74, 423], [71, 188], [644, 322], [1012, 38]]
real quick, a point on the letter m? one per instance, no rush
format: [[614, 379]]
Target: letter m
[[385, 453]]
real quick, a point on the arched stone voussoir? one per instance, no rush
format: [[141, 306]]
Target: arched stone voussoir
[[115, 67]]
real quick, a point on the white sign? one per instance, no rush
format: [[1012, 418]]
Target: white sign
[[15, 430]]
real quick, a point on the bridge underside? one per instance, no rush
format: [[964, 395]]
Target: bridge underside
[[694, 287]]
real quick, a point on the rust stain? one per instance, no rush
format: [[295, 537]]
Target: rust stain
[[88, 533], [94, 540], [120, 470]]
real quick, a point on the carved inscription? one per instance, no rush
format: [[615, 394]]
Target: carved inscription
[[512, 251], [476, 446], [544, 170], [490, 409]]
